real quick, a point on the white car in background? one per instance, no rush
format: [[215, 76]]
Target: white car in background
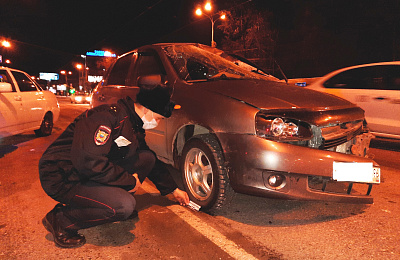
[[24, 105], [375, 88]]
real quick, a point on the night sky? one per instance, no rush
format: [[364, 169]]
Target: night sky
[[313, 37]]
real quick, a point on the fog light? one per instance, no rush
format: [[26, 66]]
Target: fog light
[[276, 181]]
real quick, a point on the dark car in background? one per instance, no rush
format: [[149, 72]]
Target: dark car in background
[[236, 131]]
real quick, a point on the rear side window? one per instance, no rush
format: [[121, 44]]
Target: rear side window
[[120, 70], [4, 78], [383, 77], [148, 64], [24, 82]]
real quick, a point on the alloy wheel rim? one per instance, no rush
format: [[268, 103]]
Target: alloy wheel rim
[[199, 174]]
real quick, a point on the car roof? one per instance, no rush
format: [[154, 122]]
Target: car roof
[[201, 46], [160, 45], [367, 65], [335, 72], [8, 68], [11, 69]]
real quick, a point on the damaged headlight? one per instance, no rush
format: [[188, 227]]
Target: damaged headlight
[[281, 128]]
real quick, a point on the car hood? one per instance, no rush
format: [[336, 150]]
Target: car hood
[[274, 95]]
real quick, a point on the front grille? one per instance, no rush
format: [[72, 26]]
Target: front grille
[[334, 135], [326, 144]]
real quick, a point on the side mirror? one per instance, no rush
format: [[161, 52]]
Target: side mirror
[[5, 87], [150, 81]]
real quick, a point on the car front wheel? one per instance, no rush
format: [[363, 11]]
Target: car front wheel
[[204, 174], [46, 126]]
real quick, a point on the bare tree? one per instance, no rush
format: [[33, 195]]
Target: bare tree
[[248, 33]]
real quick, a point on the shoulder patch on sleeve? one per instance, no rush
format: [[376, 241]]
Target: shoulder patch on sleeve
[[102, 135]]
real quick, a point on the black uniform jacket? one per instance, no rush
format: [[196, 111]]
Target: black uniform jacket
[[92, 147]]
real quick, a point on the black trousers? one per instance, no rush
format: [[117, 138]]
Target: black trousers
[[91, 204]]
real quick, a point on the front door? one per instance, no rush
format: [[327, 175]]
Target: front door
[[11, 108], [33, 101], [148, 63]]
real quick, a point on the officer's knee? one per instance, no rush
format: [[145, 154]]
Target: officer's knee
[[124, 212], [125, 208]]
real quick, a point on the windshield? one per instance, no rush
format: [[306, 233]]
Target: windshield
[[195, 64]]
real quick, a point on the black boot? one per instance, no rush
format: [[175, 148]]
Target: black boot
[[62, 237]]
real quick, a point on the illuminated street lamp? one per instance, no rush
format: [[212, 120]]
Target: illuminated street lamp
[[63, 72], [6, 44], [208, 8], [80, 67]]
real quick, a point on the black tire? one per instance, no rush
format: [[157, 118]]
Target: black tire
[[46, 127], [204, 174]]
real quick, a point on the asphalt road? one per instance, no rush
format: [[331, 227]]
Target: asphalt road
[[251, 228]]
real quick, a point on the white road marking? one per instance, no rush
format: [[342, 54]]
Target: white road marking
[[206, 230]]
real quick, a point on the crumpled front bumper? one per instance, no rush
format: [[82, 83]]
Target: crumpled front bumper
[[251, 159]]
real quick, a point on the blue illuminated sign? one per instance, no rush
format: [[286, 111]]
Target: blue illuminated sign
[[98, 53], [48, 76]]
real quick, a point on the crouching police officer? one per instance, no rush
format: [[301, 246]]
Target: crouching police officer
[[98, 160]]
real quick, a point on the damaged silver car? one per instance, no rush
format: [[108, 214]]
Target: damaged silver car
[[236, 131]]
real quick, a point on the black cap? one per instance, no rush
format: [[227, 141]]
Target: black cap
[[157, 99]]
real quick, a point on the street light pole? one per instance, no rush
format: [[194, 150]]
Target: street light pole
[[213, 43], [66, 77], [79, 67], [85, 74], [208, 7]]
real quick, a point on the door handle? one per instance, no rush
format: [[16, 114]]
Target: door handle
[[17, 98], [380, 98]]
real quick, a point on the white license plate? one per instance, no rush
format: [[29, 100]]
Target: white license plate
[[356, 172]]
